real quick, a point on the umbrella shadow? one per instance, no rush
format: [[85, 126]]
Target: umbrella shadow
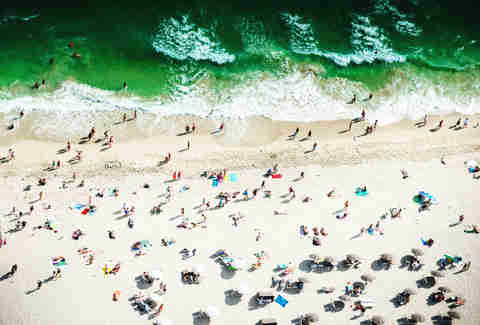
[[403, 321], [252, 303], [5, 276], [343, 131], [231, 298], [141, 284], [377, 265], [226, 274], [29, 292], [439, 320], [61, 151], [199, 319]]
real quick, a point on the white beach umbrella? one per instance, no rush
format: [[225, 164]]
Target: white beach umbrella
[[212, 312], [239, 263], [157, 274], [244, 289], [156, 297], [471, 164], [199, 268]]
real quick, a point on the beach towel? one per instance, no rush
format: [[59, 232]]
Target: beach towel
[[85, 211], [358, 192], [276, 175], [233, 177], [281, 301], [79, 206], [215, 183]]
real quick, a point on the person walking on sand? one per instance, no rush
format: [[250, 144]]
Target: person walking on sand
[[39, 284], [40, 195], [124, 117], [465, 122], [440, 124], [193, 127], [13, 270], [69, 145], [314, 147], [188, 145], [346, 204]]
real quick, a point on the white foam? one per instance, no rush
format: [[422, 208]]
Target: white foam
[[182, 39], [369, 42], [298, 96]]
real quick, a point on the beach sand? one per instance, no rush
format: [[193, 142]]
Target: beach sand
[[84, 294]]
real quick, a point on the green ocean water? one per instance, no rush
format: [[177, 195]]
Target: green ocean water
[[163, 49]]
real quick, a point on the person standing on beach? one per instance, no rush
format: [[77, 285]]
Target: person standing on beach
[[188, 145], [124, 117], [39, 284], [314, 147]]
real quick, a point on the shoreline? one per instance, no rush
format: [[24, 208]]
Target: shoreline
[[243, 144]]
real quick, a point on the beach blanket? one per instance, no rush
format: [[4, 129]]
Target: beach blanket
[[281, 301], [276, 175], [79, 206], [421, 197], [359, 192]]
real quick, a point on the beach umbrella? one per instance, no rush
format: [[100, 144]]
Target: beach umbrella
[[444, 289], [429, 281], [417, 252], [410, 291], [378, 320], [329, 259], [145, 243], [438, 274], [312, 317], [344, 298], [156, 274], [471, 164], [212, 312], [239, 263], [367, 278], [199, 268], [244, 289], [417, 318], [156, 297], [454, 315]]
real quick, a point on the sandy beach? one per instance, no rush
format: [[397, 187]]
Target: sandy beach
[[246, 149]]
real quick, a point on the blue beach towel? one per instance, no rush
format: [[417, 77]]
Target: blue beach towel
[[359, 192], [233, 177], [281, 301], [79, 206], [215, 183]]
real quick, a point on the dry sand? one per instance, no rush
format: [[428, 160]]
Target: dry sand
[[84, 293]]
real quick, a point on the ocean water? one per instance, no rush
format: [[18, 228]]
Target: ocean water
[[286, 60]]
